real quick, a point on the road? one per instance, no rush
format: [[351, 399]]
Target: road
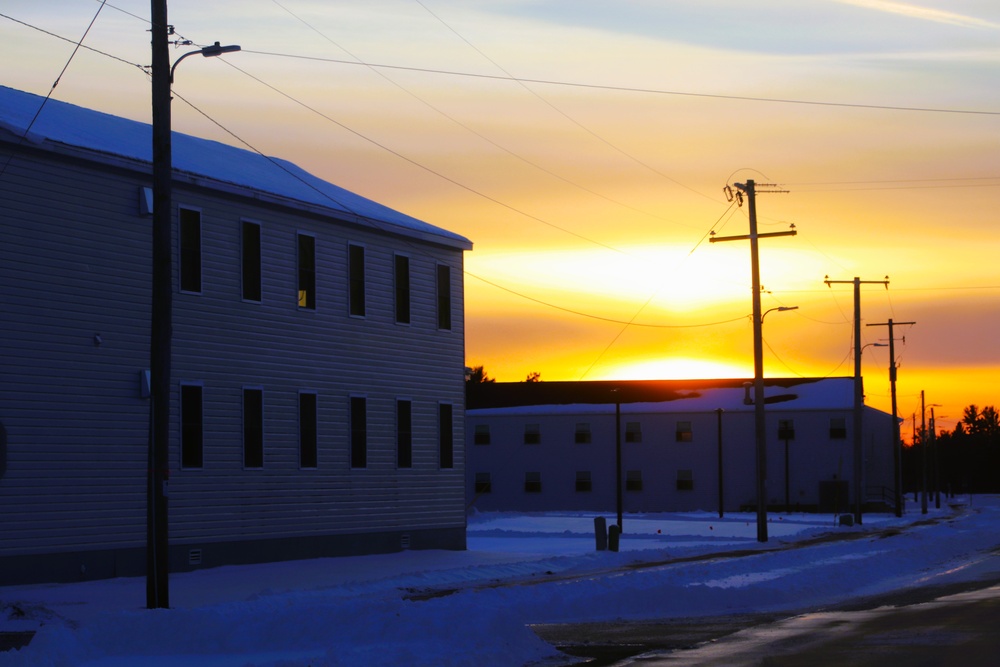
[[927, 625]]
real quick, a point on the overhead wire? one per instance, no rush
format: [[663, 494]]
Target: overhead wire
[[651, 91], [55, 83], [472, 130], [574, 121]]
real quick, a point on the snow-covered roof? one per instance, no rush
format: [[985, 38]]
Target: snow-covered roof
[[819, 394], [101, 133]]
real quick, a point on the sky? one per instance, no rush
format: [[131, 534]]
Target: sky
[[584, 148], [476, 607]]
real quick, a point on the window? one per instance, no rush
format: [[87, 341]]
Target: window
[[532, 482], [444, 296], [684, 433], [307, 431], [484, 483], [786, 429], [401, 275], [251, 261], [583, 481], [633, 432], [838, 428], [446, 431], [190, 259], [356, 279], [253, 428], [359, 432], [685, 480], [191, 426], [482, 434], [582, 436], [404, 434], [633, 480], [532, 434], [307, 272]]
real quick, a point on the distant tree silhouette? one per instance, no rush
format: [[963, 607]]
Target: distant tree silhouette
[[970, 455], [477, 375], [533, 376]]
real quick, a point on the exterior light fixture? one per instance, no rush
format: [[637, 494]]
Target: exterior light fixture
[[208, 52]]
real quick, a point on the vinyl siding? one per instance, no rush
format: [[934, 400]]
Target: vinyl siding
[[74, 262]]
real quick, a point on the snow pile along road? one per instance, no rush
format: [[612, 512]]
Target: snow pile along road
[[474, 607]]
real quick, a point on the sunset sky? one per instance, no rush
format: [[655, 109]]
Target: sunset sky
[[584, 147]]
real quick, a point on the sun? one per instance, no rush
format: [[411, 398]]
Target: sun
[[677, 368]]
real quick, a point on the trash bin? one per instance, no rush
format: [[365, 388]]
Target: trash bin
[[601, 532]]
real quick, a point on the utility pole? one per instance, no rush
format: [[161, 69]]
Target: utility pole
[[760, 427], [895, 421], [859, 390], [157, 563], [923, 455]]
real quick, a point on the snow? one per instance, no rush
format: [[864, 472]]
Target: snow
[[823, 394], [68, 124], [475, 607]]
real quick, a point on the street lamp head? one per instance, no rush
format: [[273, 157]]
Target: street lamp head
[[207, 51], [217, 49]]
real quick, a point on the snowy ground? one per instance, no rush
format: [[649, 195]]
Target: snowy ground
[[474, 607]]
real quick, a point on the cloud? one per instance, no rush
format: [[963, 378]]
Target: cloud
[[922, 13]]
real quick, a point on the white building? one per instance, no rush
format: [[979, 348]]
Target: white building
[[317, 357], [685, 445]]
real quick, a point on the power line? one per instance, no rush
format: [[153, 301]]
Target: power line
[[55, 83], [649, 91], [471, 130], [601, 318]]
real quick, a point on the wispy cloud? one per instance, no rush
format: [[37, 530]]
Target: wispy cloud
[[923, 13]]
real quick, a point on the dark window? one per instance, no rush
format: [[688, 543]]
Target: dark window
[[359, 432], [786, 429], [838, 428], [685, 480], [532, 482], [191, 426], [190, 260], [444, 296], [684, 433], [633, 432], [633, 480], [308, 456], [404, 434], [446, 428], [402, 278], [583, 481], [482, 436], [484, 483], [532, 434], [307, 272], [582, 435], [356, 274], [251, 261], [253, 428]]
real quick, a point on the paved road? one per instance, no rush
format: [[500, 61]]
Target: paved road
[[925, 627]]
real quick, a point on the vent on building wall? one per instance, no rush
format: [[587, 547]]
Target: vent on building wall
[[194, 557], [404, 541]]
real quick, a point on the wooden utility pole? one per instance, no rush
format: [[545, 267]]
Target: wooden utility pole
[[157, 562], [896, 454], [760, 427], [859, 391]]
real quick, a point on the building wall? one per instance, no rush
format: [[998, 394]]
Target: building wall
[[75, 266], [675, 467]]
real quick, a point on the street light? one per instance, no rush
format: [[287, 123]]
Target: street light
[[780, 309], [161, 324], [208, 52]]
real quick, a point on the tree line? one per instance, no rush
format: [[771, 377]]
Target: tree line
[[964, 460]]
